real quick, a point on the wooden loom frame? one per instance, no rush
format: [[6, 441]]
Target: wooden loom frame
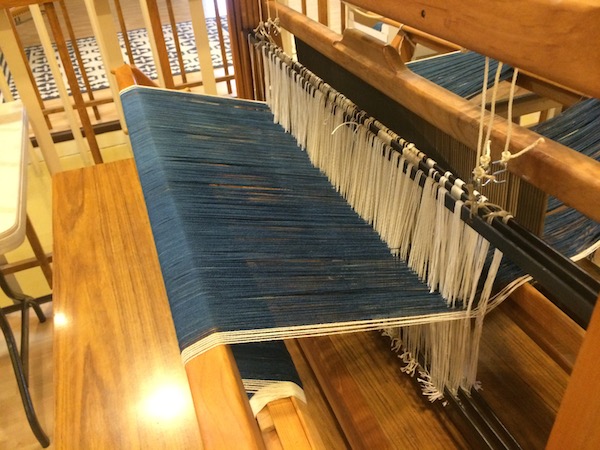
[[215, 421], [483, 27]]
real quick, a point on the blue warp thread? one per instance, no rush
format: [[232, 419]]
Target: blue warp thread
[[249, 234]]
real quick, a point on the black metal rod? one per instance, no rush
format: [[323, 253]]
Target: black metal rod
[[25, 340], [22, 382], [481, 406], [471, 424], [34, 303]]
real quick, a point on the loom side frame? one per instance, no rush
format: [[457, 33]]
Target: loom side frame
[[568, 426], [515, 33], [218, 394], [542, 166]]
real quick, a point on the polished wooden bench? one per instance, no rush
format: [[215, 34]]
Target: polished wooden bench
[[119, 381]]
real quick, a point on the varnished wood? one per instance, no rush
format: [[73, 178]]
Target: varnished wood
[[514, 33], [319, 409], [241, 17], [115, 350], [377, 406], [32, 81], [283, 424], [578, 423], [173, 24], [19, 3], [322, 13], [226, 68], [289, 425], [157, 42], [224, 416], [24, 264], [65, 98], [520, 382], [124, 33], [82, 73], [268, 431], [542, 166], [128, 76], [547, 325], [63, 52]]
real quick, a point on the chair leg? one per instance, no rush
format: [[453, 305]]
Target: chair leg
[[20, 362], [22, 382]]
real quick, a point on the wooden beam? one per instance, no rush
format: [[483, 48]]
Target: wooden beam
[[380, 66], [578, 423], [535, 315], [556, 40], [242, 17], [19, 3], [9, 45], [224, 415], [67, 64], [151, 14], [118, 377], [220, 401]]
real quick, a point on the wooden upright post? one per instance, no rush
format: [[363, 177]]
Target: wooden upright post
[[578, 422], [243, 17]]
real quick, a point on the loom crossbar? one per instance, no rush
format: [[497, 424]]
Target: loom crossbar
[[555, 272], [541, 166]]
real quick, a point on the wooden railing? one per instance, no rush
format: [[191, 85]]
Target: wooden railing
[[66, 29], [62, 94]]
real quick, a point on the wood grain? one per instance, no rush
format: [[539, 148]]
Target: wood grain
[[69, 70], [285, 424], [520, 382], [19, 3], [317, 406], [380, 407], [542, 166], [556, 40], [578, 423], [377, 406], [536, 315], [119, 381], [224, 415]]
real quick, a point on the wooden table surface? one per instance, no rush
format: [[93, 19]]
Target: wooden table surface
[[119, 380]]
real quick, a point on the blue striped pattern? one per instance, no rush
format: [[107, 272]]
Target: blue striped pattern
[[460, 73], [565, 228], [249, 234]]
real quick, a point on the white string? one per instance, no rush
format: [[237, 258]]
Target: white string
[[509, 118], [356, 124], [482, 108], [507, 156]]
